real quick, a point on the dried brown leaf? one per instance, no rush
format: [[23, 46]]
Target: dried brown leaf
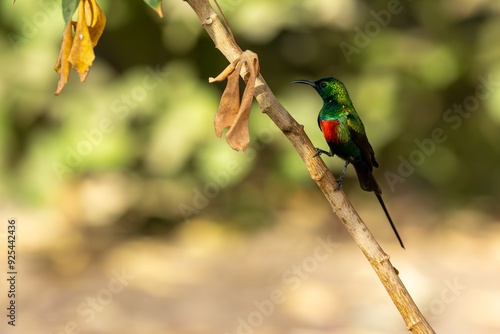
[[229, 105], [238, 136], [234, 113]]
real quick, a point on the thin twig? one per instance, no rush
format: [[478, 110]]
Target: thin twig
[[228, 27], [388, 275]]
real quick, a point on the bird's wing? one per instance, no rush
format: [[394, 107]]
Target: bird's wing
[[358, 136]]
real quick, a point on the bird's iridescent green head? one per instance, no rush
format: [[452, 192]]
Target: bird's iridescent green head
[[331, 90]]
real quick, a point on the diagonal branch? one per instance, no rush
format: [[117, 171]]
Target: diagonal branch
[[388, 275]]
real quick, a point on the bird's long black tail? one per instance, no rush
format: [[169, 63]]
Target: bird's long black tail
[[379, 197]]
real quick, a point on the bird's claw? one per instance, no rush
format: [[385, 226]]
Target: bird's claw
[[339, 185], [319, 152]]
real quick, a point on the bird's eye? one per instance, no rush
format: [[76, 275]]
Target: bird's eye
[[322, 85]]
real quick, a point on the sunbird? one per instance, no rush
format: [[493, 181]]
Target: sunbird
[[345, 135]]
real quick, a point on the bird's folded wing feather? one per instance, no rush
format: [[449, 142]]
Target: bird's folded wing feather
[[358, 136]]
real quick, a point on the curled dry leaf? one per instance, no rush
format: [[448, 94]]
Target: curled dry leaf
[[233, 113], [77, 49], [224, 74]]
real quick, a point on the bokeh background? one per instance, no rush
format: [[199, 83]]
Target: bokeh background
[[134, 218]]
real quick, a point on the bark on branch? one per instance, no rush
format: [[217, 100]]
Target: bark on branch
[[388, 275]]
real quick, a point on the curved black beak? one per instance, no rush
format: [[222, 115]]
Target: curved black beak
[[307, 82]]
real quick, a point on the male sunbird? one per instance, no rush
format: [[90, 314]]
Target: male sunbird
[[345, 135]]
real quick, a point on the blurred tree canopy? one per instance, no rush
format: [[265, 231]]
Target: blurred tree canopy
[[135, 143]]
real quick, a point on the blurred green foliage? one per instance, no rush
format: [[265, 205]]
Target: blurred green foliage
[[142, 124]]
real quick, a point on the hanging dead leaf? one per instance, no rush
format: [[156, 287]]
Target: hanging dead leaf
[[229, 104], [82, 53], [234, 113], [62, 65], [77, 49], [98, 20]]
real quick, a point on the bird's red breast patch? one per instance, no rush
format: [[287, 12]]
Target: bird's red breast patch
[[330, 130]]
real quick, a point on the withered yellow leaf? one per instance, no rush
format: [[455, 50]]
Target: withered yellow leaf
[[88, 12], [98, 23], [62, 65], [82, 52], [77, 49]]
